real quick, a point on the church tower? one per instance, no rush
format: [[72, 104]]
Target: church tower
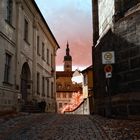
[[67, 60]]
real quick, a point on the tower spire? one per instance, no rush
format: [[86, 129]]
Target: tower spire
[[67, 49], [67, 44], [67, 59]]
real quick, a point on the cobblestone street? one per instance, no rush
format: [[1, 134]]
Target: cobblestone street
[[48, 127], [66, 127]]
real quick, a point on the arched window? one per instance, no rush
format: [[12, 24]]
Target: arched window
[[9, 11]]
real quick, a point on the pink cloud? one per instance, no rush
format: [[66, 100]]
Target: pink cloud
[[72, 21]]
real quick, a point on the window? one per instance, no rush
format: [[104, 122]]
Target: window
[[68, 86], [59, 86], [60, 105], [85, 79], [43, 51], [58, 95], [26, 30], [67, 66], [70, 95], [38, 83], [47, 56], [51, 60], [48, 88], [9, 11], [64, 95], [43, 86], [38, 45], [7, 68], [52, 90]]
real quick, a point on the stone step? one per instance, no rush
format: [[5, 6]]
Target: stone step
[[30, 108]]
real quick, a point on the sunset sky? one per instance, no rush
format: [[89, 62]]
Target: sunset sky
[[70, 20]]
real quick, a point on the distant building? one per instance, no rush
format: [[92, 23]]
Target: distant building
[[116, 27], [88, 90], [64, 85], [27, 56]]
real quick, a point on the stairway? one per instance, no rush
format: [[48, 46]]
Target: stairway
[[30, 107]]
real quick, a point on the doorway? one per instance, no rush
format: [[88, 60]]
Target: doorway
[[25, 78]]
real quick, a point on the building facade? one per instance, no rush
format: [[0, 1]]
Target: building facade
[[116, 28], [64, 85], [88, 90], [27, 60]]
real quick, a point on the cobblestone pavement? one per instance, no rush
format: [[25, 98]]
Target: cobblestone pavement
[[118, 129], [49, 127]]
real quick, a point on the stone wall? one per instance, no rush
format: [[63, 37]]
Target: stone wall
[[24, 51], [124, 39], [128, 58], [8, 99]]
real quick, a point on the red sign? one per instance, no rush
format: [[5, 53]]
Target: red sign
[[108, 68]]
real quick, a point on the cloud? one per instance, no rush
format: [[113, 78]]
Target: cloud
[[70, 20]]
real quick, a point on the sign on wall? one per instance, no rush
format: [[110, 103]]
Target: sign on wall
[[108, 74], [108, 57], [108, 70]]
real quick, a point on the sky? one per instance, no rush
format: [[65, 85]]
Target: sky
[[70, 20]]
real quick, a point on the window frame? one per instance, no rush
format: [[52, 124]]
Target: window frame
[[8, 58], [26, 30], [51, 60], [52, 89], [38, 83], [48, 61], [64, 95], [38, 45], [43, 51], [60, 105], [58, 95], [9, 15], [43, 86], [48, 88]]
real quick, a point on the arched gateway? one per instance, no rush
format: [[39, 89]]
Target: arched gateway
[[25, 81]]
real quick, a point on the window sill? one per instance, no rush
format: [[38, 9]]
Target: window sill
[[7, 84], [27, 41], [9, 24], [43, 59]]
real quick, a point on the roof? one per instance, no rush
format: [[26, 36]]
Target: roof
[[38, 10], [64, 74], [87, 69]]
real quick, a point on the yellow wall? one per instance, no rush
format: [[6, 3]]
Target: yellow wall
[[90, 79]]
